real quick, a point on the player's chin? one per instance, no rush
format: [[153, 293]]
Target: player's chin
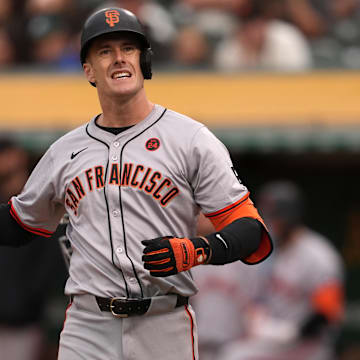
[[121, 87]]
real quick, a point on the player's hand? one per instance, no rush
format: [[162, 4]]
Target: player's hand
[[168, 255]]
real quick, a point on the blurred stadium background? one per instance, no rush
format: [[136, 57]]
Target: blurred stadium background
[[278, 81]]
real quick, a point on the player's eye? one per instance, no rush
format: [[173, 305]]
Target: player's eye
[[129, 49], [104, 51]]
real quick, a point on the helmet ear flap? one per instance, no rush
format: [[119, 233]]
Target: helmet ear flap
[[145, 63]]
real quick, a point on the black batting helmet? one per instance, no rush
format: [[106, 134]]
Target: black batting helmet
[[281, 199], [114, 19]]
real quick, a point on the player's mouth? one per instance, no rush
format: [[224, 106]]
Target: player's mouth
[[123, 74]]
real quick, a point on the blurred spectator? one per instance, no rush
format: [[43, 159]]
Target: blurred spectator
[[53, 27], [190, 48], [26, 275], [261, 41], [51, 43], [187, 33], [332, 27], [47, 6], [310, 16], [5, 10], [298, 311], [212, 20], [315, 17], [7, 49], [228, 5]]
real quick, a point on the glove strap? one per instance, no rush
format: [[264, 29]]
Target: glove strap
[[184, 253], [205, 250]]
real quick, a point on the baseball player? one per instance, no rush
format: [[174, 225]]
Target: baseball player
[[298, 310], [133, 181]]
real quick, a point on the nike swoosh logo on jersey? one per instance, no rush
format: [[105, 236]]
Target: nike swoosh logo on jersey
[[221, 239], [75, 154]]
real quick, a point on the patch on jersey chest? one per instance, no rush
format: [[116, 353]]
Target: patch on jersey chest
[[152, 144]]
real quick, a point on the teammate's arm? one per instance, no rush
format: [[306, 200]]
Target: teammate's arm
[[327, 302]]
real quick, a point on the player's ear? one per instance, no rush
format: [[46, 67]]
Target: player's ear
[[89, 72]]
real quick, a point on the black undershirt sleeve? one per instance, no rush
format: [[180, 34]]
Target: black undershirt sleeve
[[235, 241], [12, 234]]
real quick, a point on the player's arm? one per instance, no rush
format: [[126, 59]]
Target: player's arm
[[240, 231], [37, 210], [15, 235], [327, 302], [12, 234], [240, 235], [327, 308]]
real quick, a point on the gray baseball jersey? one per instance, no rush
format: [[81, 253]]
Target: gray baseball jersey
[[148, 181]]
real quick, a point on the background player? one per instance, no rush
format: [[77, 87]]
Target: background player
[[133, 181], [297, 311], [229, 289]]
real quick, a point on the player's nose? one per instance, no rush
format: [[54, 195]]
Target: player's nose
[[118, 55]]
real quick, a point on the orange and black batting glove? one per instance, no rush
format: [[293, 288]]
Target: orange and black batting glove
[[169, 255]]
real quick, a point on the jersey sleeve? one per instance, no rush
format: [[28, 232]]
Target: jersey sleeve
[[38, 208], [212, 174], [219, 191], [326, 284]]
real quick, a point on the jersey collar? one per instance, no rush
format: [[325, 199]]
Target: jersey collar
[[108, 138]]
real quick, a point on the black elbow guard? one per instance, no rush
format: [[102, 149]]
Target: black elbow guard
[[236, 241]]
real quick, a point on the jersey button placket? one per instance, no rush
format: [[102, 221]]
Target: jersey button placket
[[121, 256], [116, 213]]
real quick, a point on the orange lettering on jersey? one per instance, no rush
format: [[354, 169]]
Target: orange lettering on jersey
[[134, 182], [89, 178], [126, 174], [114, 175], [112, 17], [73, 202], [99, 177], [150, 187], [166, 183], [73, 197], [169, 196], [139, 177], [148, 171], [78, 188], [71, 206]]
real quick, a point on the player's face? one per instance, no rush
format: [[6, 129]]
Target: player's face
[[113, 63]]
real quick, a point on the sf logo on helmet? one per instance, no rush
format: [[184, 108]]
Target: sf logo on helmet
[[112, 17]]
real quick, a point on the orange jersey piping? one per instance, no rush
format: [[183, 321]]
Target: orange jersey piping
[[243, 208], [36, 231]]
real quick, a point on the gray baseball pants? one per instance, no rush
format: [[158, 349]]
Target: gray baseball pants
[[90, 334]]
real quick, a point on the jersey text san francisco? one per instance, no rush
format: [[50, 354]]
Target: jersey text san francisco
[[140, 177]]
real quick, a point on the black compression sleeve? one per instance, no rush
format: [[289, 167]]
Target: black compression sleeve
[[12, 234], [235, 241]]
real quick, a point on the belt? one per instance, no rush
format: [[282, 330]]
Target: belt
[[124, 307]]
